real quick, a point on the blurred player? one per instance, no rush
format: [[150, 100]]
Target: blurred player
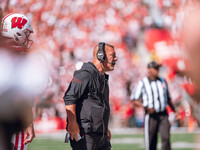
[[190, 36], [21, 79]]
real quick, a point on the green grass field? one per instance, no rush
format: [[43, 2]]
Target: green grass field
[[119, 142]]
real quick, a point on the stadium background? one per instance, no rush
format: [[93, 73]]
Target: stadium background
[[65, 33]]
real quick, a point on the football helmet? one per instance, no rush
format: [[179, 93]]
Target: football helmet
[[18, 27]]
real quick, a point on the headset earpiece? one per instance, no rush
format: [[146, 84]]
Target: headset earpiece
[[101, 52]]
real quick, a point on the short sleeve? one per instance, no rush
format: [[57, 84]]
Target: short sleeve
[[77, 88]]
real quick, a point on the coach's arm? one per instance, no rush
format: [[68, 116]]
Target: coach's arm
[[73, 127]]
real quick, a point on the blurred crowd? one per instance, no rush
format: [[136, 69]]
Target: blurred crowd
[[65, 33]]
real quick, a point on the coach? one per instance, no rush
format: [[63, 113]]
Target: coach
[[152, 93], [87, 101]]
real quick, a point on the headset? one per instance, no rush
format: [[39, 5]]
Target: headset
[[101, 55], [101, 52]]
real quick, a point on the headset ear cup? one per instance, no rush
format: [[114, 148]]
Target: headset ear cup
[[100, 56], [101, 52]]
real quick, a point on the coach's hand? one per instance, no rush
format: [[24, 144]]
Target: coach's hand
[[150, 110], [73, 129], [29, 134], [109, 134]]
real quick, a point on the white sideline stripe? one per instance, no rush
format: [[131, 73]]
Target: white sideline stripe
[[180, 145], [140, 142], [123, 131], [185, 145], [127, 141]]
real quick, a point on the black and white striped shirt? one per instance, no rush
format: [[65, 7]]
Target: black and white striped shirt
[[154, 93]]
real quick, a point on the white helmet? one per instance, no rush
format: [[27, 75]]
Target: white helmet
[[17, 27]]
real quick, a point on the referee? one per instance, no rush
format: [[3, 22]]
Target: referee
[[152, 93]]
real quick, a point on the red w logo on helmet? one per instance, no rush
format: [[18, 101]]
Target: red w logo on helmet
[[18, 22]]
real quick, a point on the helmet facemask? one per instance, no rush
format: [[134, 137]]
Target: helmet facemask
[[23, 38]]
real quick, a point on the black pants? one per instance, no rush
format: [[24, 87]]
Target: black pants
[[91, 142], [154, 123]]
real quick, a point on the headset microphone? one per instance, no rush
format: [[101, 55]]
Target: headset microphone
[[112, 63]]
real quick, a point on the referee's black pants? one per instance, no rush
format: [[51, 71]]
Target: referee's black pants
[[154, 123], [91, 141]]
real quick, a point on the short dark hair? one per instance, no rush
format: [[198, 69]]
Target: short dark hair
[[154, 65], [109, 45]]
